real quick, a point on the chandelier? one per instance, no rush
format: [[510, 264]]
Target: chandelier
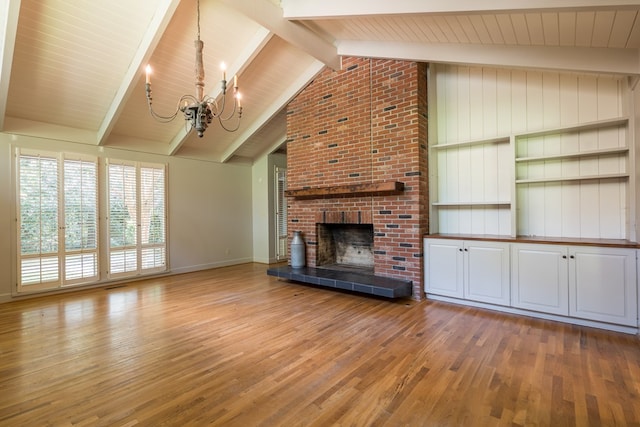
[[200, 110]]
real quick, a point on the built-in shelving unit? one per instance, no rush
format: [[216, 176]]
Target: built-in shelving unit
[[607, 160], [540, 217]]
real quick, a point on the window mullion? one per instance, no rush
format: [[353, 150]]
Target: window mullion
[[139, 217], [61, 219]]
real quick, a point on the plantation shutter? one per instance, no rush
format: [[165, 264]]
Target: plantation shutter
[[281, 213], [137, 218], [38, 227], [81, 220], [152, 215], [57, 220], [123, 217]]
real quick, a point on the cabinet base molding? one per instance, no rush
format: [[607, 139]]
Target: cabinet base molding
[[537, 315]]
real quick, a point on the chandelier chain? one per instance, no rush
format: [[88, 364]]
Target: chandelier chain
[[198, 19]]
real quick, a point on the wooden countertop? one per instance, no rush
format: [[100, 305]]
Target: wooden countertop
[[613, 243]]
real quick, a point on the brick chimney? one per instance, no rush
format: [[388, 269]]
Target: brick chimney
[[359, 126]]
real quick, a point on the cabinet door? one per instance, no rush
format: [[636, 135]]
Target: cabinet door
[[443, 267], [602, 284], [539, 278], [486, 272]]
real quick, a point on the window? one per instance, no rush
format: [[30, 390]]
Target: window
[[281, 213], [137, 218], [57, 211], [57, 220]]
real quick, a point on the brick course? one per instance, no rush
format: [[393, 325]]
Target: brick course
[[364, 123]]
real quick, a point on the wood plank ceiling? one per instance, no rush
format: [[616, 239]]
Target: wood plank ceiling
[[72, 70]]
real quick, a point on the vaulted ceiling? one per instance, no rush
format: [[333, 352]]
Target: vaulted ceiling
[[73, 70]]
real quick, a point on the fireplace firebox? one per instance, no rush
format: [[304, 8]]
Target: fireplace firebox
[[345, 247]]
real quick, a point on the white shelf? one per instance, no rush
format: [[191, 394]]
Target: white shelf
[[489, 203], [590, 153], [599, 124], [497, 140], [572, 178]]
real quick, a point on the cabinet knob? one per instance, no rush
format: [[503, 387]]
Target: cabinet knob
[[572, 257], [466, 250], [564, 257], [460, 249]]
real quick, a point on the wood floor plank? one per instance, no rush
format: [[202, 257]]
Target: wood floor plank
[[235, 347]]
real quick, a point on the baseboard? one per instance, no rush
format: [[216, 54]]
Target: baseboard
[[208, 266], [537, 315]]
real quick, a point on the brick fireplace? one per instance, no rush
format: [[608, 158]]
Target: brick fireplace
[[356, 154]]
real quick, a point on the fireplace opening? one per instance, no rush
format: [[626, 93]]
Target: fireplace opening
[[346, 247]]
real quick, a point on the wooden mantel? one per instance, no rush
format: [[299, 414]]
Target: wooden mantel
[[355, 190]]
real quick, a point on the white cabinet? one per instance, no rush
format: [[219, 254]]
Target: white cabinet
[[444, 267], [473, 270], [486, 270], [602, 284], [539, 278], [586, 282]]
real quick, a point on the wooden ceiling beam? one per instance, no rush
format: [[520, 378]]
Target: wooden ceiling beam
[[332, 9], [286, 96], [9, 12], [598, 60], [269, 16], [150, 40]]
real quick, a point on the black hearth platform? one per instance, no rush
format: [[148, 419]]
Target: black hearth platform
[[346, 280]]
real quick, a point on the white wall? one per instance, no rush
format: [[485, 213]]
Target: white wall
[[6, 219], [209, 208], [263, 187]]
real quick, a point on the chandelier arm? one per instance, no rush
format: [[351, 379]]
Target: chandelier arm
[[226, 128], [216, 108], [186, 99], [161, 118], [213, 106], [218, 114], [166, 119]]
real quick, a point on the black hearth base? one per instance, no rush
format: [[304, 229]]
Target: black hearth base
[[345, 280]]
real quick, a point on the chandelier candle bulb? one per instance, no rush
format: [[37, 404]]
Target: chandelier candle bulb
[[223, 67], [148, 74], [235, 82]]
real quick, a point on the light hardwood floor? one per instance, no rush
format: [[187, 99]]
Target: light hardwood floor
[[235, 347]]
